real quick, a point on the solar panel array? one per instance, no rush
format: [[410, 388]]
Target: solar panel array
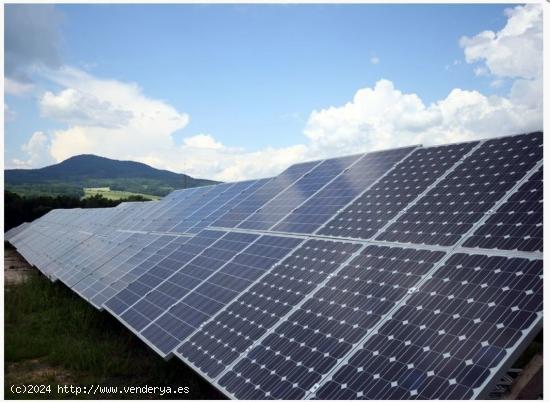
[[407, 273]]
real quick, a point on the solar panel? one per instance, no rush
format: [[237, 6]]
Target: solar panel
[[10, 234], [160, 271], [391, 194], [308, 217], [99, 251], [263, 195], [236, 190], [182, 281], [136, 267], [447, 339], [100, 290], [517, 224], [304, 347], [89, 284], [215, 215], [407, 273], [295, 195], [166, 218], [456, 203], [230, 333], [193, 309]]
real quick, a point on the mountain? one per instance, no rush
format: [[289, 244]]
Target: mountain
[[84, 171]]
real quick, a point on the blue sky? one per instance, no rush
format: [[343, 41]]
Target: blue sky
[[248, 78]]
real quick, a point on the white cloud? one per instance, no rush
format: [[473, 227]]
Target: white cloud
[[75, 107], [115, 119], [383, 117], [17, 88], [514, 51], [374, 60], [203, 141], [34, 148], [108, 117], [480, 70]]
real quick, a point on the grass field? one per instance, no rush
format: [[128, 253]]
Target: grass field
[[54, 337], [115, 195]]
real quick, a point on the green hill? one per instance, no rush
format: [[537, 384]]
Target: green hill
[[71, 176]]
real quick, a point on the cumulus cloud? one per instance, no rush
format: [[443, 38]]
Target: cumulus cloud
[[203, 141], [374, 60], [79, 108], [107, 117], [514, 51], [115, 119], [34, 149], [383, 116]]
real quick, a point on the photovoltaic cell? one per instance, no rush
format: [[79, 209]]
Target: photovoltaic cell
[[162, 270], [256, 311], [137, 267], [215, 215], [95, 281], [301, 190], [182, 281], [307, 345], [444, 342], [517, 224], [456, 203], [225, 191], [389, 196], [320, 208], [263, 195], [183, 318], [99, 251], [103, 286], [167, 218]]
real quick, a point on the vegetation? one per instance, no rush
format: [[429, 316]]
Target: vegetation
[[53, 337], [109, 194], [19, 209], [71, 176]]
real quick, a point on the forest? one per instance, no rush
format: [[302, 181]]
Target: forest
[[19, 209]]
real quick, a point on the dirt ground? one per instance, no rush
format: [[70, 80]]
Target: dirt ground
[[36, 371], [16, 269]]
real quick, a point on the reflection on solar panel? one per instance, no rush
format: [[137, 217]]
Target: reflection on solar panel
[[166, 267], [263, 195], [408, 273], [308, 217], [217, 291], [253, 314], [405, 182], [295, 195]]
